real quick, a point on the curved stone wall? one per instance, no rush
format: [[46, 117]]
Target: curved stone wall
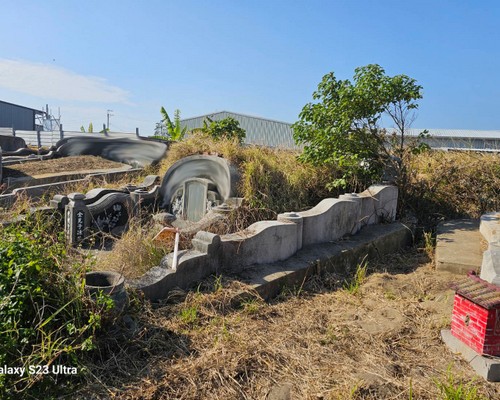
[[136, 152]]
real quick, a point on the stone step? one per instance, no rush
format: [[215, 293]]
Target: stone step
[[458, 246]]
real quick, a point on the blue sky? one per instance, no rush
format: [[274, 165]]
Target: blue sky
[[255, 57]]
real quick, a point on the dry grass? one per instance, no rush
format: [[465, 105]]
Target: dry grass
[[447, 185], [272, 180], [326, 342], [135, 252], [57, 165]]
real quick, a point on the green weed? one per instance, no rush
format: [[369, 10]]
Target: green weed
[[455, 389], [189, 315], [358, 279], [45, 316]]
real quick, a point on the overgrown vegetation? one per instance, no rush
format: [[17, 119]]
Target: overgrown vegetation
[[444, 185], [271, 180], [135, 252], [226, 128], [168, 129], [46, 320], [222, 341], [342, 128]]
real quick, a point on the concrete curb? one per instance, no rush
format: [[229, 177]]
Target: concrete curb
[[371, 242], [487, 367]]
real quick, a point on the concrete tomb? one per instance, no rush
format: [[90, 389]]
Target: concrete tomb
[[11, 143], [269, 242], [104, 211], [136, 152], [194, 185]]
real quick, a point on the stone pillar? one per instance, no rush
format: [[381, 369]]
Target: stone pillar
[[489, 228], [490, 268], [138, 196], [76, 219], [356, 198], [298, 221]]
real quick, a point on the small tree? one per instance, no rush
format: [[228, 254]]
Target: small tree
[[342, 127], [225, 128], [173, 129]]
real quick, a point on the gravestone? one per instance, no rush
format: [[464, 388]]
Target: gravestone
[[194, 185], [195, 200], [111, 213], [76, 219]]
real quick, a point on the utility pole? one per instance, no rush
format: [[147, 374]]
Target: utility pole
[[109, 115]]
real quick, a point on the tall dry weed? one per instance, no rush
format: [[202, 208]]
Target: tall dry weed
[[446, 185]]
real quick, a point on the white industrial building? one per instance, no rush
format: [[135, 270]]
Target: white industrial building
[[273, 133]]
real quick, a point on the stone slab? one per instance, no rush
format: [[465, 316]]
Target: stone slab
[[36, 180], [371, 242], [487, 367], [458, 246]]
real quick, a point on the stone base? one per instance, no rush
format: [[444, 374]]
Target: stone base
[[486, 366], [458, 247]]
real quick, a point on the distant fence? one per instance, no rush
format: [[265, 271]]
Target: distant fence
[[50, 138]]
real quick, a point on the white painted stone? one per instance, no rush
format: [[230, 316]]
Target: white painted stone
[[262, 242], [298, 221], [490, 268], [330, 220], [490, 227]]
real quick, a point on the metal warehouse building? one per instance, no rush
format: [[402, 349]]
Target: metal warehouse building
[[18, 117], [258, 130], [460, 139], [272, 133]]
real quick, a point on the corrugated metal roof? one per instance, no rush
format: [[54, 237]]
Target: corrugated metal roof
[[273, 133], [478, 291], [28, 108], [458, 133], [260, 131]]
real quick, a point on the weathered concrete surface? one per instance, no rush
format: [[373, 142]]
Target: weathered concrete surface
[[193, 265], [371, 242], [268, 279], [490, 229], [264, 241], [136, 152], [329, 220], [458, 246], [490, 267], [39, 189], [486, 367], [44, 179], [215, 169]]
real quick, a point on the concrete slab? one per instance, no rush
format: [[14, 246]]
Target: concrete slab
[[371, 242], [14, 183], [487, 367], [458, 246]]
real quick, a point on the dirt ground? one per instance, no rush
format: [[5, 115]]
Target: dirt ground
[[64, 164], [319, 341]]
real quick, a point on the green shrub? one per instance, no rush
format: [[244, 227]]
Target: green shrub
[[45, 318], [227, 128]]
